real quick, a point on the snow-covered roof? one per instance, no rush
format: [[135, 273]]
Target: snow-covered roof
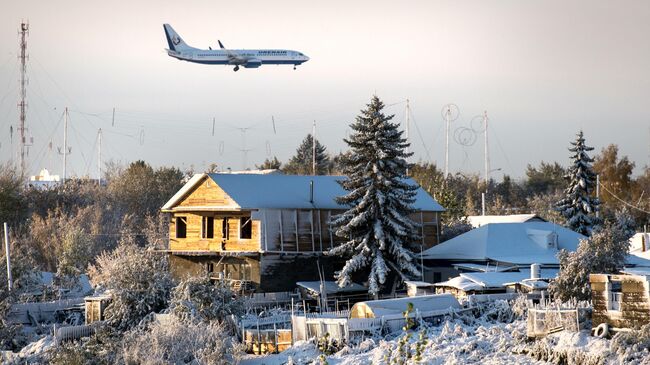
[[481, 220], [418, 284], [484, 267], [277, 191], [331, 287], [639, 243], [491, 280], [423, 303], [514, 243], [642, 271], [500, 279], [461, 283]]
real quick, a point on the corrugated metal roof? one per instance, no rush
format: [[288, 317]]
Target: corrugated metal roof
[[276, 191]]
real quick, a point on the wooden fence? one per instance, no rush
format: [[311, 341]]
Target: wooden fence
[[39, 312]]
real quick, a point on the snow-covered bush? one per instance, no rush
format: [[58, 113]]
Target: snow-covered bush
[[199, 298], [175, 341], [497, 311], [604, 252], [138, 280], [632, 347]]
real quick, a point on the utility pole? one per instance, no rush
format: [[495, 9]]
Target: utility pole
[[99, 157], [66, 150], [22, 105], [448, 121], [313, 149], [9, 278], [408, 122], [487, 152], [598, 194]]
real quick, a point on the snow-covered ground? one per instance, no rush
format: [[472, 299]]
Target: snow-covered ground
[[29, 352], [458, 343]]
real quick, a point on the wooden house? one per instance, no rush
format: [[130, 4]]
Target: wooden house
[[265, 232], [621, 301]]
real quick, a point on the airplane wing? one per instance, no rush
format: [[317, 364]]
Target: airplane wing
[[232, 56]]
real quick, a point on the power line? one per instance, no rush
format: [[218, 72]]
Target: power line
[[623, 201]]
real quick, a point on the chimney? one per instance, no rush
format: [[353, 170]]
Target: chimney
[[534, 271]]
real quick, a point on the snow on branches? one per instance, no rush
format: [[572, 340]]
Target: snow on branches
[[377, 225], [578, 206], [602, 253]]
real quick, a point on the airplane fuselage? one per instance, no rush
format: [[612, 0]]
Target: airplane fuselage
[[249, 58]]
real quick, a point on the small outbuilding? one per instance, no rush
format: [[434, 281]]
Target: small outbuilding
[[417, 288], [393, 307], [95, 306], [621, 301]]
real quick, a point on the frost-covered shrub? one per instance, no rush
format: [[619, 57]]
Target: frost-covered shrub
[[175, 341], [199, 298], [632, 347], [604, 252], [138, 280], [497, 311], [547, 349]]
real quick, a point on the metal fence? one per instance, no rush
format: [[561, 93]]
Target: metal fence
[[68, 333], [343, 328]]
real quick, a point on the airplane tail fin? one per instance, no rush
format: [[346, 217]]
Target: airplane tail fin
[[174, 40]]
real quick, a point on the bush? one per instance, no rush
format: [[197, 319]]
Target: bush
[[633, 346], [138, 280], [198, 298], [175, 341]]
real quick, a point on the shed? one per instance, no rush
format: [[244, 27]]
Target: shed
[[95, 306], [388, 307], [416, 288]]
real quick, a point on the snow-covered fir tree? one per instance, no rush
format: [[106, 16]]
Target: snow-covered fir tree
[[302, 162], [377, 224], [579, 206]]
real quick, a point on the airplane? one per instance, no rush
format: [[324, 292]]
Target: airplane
[[251, 58]]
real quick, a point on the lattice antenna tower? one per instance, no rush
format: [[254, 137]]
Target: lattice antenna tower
[[22, 105]]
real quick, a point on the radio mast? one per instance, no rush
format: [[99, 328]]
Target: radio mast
[[22, 105]]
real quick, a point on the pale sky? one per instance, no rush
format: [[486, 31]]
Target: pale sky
[[542, 70]]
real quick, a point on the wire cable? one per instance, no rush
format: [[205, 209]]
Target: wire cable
[[623, 201]]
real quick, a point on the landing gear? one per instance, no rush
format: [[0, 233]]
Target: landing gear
[[294, 67], [236, 68]]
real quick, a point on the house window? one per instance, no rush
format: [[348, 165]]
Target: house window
[[614, 296], [207, 227], [224, 229], [245, 228], [181, 227]]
